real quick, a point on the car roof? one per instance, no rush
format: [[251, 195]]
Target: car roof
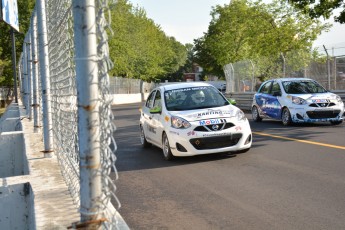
[[183, 85], [291, 79]]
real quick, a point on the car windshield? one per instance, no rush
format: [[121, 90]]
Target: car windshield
[[303, 87], [193, 98]]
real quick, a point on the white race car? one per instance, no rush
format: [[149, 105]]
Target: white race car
[[187, 119], [296, 100]]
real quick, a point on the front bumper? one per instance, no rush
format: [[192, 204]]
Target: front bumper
[[310, 114], [191, 142]]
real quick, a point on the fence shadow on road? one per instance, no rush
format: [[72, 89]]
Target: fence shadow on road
[[135, 157]]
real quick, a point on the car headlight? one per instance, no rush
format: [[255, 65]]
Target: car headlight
[[338, 98], [240, 115], [298, 100], [179, 123]]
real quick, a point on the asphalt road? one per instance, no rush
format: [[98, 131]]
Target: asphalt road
[[292, 178]]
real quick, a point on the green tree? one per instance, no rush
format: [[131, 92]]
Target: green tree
[[24, 13], [324, 8], [139, 47], [245, 30]]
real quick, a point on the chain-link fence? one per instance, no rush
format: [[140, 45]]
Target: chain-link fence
[[324, 64], [65, 87], [120, 85]]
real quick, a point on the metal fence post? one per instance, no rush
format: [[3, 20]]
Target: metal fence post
[[88, 110], [29, 71], [45, 78], [35, 71], [25, 76], [15, 86]]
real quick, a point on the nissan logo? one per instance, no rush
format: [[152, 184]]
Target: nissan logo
[[215, 127]]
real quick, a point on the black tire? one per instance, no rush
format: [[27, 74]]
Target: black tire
[[166, 148], [336, 122], [143, 140], [286, 117], [255, 114]]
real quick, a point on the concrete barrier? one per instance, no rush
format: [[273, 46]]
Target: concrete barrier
[[17, 202], [13, 161], [16, 199], [119, 99], [33, 194]]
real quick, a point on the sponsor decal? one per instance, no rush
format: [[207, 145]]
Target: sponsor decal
[[173, 132], [188, 89], [238, 128], [272, 105], [151, 129], [320, 101], [215, 134], [211, 112], [211, 122], [191, 133], [215, 112], [166, 118]]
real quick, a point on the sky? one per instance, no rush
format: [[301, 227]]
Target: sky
[[187, 20]]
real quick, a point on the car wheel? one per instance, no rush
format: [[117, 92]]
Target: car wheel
[[336, 122], [255, 114], [166, 148], [143, 140], [286, 117]]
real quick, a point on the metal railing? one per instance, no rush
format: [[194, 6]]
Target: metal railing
[[65, 88]]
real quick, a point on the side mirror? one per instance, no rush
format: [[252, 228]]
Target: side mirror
[[156, 110], [232, 101]]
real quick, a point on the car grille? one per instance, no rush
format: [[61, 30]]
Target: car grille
[[323, 114], [215, 142], [328, 104], [211, 128]]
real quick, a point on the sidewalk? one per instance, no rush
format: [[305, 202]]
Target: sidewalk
[[52, 203]]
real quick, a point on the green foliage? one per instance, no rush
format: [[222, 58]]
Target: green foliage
[[24, 12], [323, 8], [245, 30], [139, 48]]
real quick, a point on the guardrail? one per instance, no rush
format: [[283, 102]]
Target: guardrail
[[244, 99]]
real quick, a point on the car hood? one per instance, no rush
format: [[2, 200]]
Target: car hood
[[316, 96], [209, 113]]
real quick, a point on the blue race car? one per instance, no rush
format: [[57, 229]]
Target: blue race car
[[296, 100]]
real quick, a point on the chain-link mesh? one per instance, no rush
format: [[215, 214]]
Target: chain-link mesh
[[63, 92], [328, 69], [119, 85]]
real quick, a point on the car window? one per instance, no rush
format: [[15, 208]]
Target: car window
[[150, 99], [265, 88], [275, 88], [193, 98], [157, 101], [303, 87]]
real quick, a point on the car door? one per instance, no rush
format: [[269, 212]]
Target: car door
[[272, 105], [261, 97], [156, 120], [146, 116]]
